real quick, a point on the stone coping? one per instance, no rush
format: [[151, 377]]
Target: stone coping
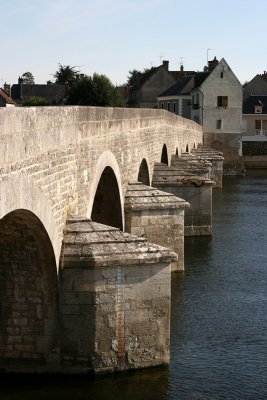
[[141, 197], [170, 175], [192, 163], [204, 151], [88, 244]]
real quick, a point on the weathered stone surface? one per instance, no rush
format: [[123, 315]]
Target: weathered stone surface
[[52, 157], [216, 158], [115, 300], [197, 191], [158, 216]]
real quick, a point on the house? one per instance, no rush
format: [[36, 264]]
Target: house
[[5, 99], [257, 85], [143, 93], [255, 115], [254, 119], [215, 100], [177, 98], [52, 93]]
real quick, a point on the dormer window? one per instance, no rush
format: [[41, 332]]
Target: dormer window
[[258, 109]]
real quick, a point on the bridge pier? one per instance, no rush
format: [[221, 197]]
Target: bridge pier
[[157, 215], [215, 158], [115, 300], [197, 191]]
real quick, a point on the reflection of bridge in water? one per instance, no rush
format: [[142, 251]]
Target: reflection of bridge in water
[[77, 295]]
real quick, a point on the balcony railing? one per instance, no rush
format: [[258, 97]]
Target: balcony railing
[[262, 132]]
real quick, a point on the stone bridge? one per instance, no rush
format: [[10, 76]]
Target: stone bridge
[[64, 171]]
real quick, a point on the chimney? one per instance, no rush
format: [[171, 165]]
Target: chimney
[[7, 89], [181, 73], [165, 64], [20, 84], [213, 64]]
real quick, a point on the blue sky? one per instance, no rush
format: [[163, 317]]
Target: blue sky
[[113, 37]]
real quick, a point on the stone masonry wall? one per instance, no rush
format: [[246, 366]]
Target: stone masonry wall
[[115, 318], [58, 149], [161, 227]]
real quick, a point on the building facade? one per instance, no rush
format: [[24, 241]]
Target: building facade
[[215, 99]]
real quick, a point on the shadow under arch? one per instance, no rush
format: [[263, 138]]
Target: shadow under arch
[[107, 159], [164, 155], [107, 206], [28, 294], [22, 192], [143, 174], [186, 149], [176, 152]]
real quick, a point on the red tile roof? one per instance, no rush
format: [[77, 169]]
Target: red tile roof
[[5, 96]]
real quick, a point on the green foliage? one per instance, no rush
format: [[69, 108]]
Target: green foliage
[[96, 90], [66, 74], [136, 77], [35, 102], [28, 78]]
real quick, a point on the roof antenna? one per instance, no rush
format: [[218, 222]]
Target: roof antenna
[[208, 56], [161, 57]]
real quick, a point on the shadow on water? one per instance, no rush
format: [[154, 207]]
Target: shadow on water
[[151, 384]]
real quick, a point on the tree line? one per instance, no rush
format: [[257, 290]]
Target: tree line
[[85, 90], [95, 90]]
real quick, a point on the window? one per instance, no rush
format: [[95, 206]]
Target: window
[[257, 124], [174, 107], [168, 106], [196, 101], [258, 109], [162, 105], [219, 124], [222, 101], [221, 74]]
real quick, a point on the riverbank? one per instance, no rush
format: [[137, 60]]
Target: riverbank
[[255, 162]]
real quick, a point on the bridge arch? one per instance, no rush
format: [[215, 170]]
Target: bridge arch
[[164, 155], [28, 292], [143, 174], [106, 199], [22, 192]]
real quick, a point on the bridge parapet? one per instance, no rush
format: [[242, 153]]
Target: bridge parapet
[[64, 150]]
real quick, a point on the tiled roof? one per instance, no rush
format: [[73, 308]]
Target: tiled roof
[[252, 101], [186, 84], [183, 86], [200, 77], [5, 96], [52, 92]]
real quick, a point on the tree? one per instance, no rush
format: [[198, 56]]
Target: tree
[[28, 78], [96, 90], [35, 101], [135, 76], [66, 74]]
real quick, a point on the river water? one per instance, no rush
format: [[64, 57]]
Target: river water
[[219, 317]]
